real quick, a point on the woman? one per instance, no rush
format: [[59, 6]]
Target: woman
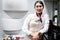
[[36, 24]]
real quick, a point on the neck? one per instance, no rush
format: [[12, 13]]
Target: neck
[[38, 14]]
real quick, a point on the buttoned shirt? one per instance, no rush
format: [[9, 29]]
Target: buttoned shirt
[[32, 24]]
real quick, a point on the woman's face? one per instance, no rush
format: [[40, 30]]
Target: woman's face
[[38, 8]]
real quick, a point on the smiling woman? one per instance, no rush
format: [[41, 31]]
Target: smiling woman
[[36, 24]]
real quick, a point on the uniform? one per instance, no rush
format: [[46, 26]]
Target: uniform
[[32, 24]]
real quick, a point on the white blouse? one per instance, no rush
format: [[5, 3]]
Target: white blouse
[[32, 24]]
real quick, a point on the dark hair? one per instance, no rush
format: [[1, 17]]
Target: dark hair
[[39, 2]]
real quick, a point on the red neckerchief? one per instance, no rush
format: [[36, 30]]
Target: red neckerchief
[[39, 16]]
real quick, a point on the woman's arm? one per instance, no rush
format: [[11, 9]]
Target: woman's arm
[[46, 24], [25, 25]]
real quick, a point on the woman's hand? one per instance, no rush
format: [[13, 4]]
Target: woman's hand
[[35, 36], [31, 35]]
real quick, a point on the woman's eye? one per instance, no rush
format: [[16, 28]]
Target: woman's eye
[[36, 6], [39, 6]]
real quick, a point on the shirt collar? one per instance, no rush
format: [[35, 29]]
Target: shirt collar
[[38, 14], [41, 14]]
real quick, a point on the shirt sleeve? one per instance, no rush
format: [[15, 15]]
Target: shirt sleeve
[[25, 25], [46, 24]]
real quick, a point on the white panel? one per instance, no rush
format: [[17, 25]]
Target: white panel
[[56, 12], [11, 24], [15, 5]]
